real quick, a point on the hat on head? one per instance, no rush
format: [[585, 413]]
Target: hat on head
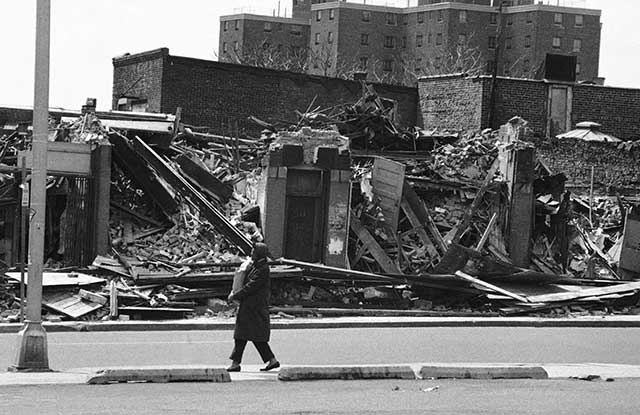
[[260, 250]]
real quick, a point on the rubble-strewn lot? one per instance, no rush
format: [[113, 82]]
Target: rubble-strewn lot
[[185, 206]]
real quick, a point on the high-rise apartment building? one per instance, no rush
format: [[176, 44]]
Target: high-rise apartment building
[[337, 38]]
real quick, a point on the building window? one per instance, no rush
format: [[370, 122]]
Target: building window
[[557, 18], [419, 41], [577, 45], [578, 68], [421, 17], [437, 62], [296, 30], [462, 39], [579, 20], [366, 16], [364, 62], [529, 17], [330, 37], [508, 42], [507, 67], [387, 65], [493, 18], [332, 14], [267, 26], [318, 15], [509, 20], [490, 66], [527, 41], [225, 26], [429, 38], [224, 47], [405, 19], [557, 42], [317, 38], [439, 39], [492, 42], [440, 18], [389, 41], [280, 27], [364, 39], [404, 42], [462, 16], [418, 65], [392, 19]]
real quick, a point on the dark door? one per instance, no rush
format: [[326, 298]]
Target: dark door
[[301, 218], [305, 214]]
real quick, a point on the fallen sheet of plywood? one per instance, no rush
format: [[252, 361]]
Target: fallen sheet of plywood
[[70, 304], [59, 279]]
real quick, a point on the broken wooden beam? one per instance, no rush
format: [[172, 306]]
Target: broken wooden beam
[[213, 215], [196, 172], [378, 253], [491, 287]]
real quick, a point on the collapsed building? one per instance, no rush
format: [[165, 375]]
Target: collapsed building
[[358, 212]]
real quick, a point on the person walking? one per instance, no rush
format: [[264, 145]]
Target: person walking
[[252, 320]]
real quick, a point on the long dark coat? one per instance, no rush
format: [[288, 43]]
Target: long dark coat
[[252, 321]]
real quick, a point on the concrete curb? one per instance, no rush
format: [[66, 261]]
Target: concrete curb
[[158, 375], [338, 323], [293, 373], [467, 371]]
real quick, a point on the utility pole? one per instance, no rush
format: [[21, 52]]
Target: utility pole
[[496, 62], [32, 347]]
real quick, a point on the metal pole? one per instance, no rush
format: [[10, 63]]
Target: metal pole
[[24, 222], [32, 352]]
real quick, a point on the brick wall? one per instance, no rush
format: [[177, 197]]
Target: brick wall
[[451, 102], [456, 102], [212, 93], [617, 109], [140, 76], [614, 169]]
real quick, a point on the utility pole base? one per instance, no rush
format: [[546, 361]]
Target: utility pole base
[[32, 353]]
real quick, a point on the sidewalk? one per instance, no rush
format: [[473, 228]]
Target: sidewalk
[[336, 322], [81, 376]]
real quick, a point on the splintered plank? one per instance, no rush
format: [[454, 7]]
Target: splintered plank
[[181, 185], [422, 214], [378, 253], [586, 293], [419, 227], [387, 179], [492, 287]]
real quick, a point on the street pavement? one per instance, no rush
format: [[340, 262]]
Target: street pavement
[[442, 397]]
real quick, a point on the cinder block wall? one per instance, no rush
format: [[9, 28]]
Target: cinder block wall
[[213, 93]]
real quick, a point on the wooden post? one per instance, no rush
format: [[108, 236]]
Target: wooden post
[[591, 197], [113, 301]]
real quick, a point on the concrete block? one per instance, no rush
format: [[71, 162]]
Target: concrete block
[[292, 373], [483, 372], [158, 375]]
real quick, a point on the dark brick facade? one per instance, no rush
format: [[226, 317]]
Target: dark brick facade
[[213, 93], [426, 36]]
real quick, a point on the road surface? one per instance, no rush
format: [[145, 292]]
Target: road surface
[[522, 397]]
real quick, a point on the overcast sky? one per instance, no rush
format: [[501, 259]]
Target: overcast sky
[[86, 34]]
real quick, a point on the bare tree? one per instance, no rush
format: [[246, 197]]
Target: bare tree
[[265, 55]]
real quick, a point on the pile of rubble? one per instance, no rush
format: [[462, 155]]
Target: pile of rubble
[[184, 212]]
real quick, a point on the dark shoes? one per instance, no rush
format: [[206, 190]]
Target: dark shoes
[[233, 368], [272, 365]]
